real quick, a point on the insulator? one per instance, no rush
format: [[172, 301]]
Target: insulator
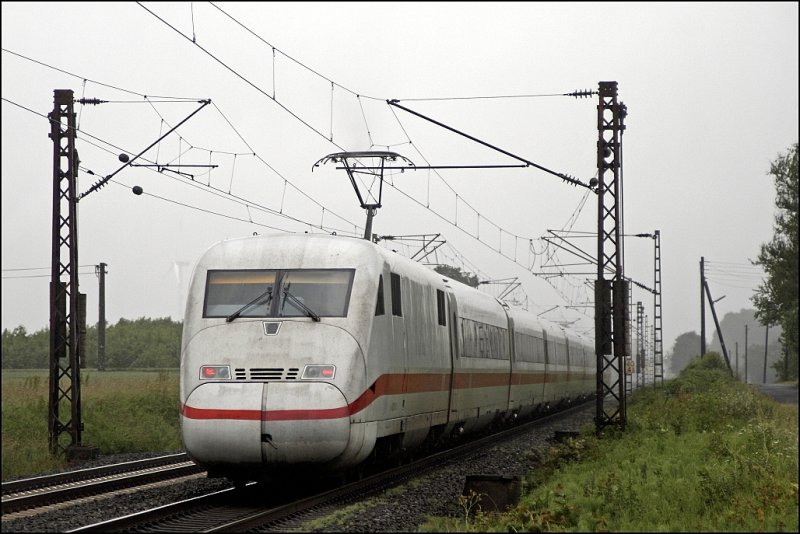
[[570, 179], [581, 94], [92, 101]]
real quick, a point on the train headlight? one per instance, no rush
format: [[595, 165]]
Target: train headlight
[[215, 372], [325, 372]]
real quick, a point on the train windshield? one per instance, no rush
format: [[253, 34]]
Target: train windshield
[[278, 293]]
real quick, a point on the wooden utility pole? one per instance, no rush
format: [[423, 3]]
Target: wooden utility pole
[[766, 346], [100, 270], [745, 354], [702, 306]]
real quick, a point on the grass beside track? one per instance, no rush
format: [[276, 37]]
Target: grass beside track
[[122, 412], [703, 453]]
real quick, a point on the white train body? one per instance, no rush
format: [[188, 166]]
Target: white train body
[[383, 355]]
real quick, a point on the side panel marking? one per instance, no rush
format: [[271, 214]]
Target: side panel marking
[[390, 384]]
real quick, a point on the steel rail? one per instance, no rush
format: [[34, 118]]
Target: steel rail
[[28, 484], [228, 510], [67, 489]]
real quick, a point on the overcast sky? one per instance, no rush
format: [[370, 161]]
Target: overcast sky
[[711, 91]]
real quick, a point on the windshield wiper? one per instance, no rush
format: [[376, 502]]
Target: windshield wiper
[[257, 300], [298, 303]]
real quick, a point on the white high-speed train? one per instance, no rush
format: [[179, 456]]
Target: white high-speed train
[[316, 353]]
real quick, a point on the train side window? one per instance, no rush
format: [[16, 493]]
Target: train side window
[[482, 342], [546, 347], [379, 310], [539, 350], [397, 305], [440, 307]]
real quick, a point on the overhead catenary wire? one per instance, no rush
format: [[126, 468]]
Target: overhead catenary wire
[[249, 220], [216, 191], [166, 98], [287, 56], [333, 84], [238, 75], [479, 97], [358, 95], [36, 276], [170, 100], [36, 268], [459, 198]]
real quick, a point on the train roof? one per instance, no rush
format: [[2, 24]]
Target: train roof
[[322, 250]]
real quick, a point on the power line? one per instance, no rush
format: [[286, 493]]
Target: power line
[[119, 149], [333, 83], [735, 275], [36, 268], [241, 77], [170, 98], [275, 49], [482, 97], [479, 215], [36, 276], [576, 94]]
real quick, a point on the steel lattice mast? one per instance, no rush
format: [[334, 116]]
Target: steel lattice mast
[[611, 295], [64, 299]]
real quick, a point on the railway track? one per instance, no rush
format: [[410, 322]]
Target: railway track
[[260, 507], [32, 494]]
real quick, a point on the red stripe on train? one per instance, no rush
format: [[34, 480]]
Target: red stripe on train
[[392, 384]]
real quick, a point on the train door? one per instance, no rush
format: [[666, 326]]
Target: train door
[[454, 348], [568, 368], [548, 368], [399, 362], [511, 364]]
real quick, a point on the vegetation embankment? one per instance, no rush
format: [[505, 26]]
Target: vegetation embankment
[[122, 412], [129, 344], [703, 453]]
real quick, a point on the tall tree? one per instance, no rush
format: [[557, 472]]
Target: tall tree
[[686, 347], [776, 298]]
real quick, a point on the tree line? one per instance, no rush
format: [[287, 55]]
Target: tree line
[[745, 337], [138, 344], [156, 343], [776, 300], [130, 344]]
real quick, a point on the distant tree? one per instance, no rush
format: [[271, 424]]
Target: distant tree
[[21, 350], [687, 346], [457, 274], [733, 330], [143, 343], [776, 299]]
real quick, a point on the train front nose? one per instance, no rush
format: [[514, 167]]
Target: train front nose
[[269, 425], [304, 422]]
